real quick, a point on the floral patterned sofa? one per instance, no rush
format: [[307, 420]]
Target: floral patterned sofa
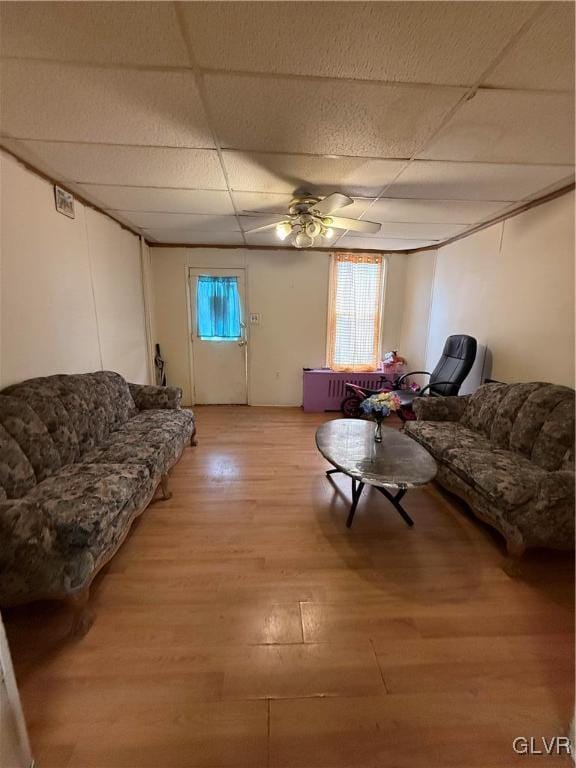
[[80, 457], [508, 451]]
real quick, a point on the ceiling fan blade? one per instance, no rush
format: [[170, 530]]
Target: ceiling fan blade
[[263, 213], [332, 203], [263, 228], [369, 227]]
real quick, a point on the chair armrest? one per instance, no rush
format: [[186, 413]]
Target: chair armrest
[[147, 396], [440, 408], [400, 379]]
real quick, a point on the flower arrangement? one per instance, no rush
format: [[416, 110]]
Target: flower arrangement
[[377, 407]]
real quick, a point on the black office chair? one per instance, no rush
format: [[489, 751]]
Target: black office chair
[[446, 379]]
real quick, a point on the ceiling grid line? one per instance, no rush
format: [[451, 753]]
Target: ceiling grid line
[[206, 105]]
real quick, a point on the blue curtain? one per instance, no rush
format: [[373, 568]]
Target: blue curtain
[[218, 308]]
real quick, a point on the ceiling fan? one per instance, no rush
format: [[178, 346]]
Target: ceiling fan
[[311, 217]]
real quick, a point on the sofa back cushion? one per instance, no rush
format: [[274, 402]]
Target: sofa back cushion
[[71, 414], [533, 419], [482, 407], [544, 428], [16, 473]]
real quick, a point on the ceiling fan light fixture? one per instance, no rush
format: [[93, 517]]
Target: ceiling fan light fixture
[[313, 229], [303, 240], [283, 229], [328, 233]]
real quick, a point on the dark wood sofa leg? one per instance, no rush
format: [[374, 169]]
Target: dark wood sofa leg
[[166, 494], [82, 615], [515, 548]]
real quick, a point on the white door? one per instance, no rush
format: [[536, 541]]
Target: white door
[[218, 335]]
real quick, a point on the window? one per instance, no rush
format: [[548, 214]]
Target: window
[[355, 311], [218, 308]]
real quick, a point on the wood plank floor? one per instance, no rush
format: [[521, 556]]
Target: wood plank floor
[[242, 624]]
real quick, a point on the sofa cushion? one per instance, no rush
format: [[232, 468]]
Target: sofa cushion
[[83, 501], [153, 449], [504, 477], [438, 437], [176, 421]]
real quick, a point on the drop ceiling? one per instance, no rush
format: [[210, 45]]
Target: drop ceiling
[[194, 122]]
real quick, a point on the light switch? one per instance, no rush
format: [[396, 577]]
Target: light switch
[[254, 318]]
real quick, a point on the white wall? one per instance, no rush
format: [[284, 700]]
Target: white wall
[[512, 287], [417, 299], [71, 289], [290, 291]]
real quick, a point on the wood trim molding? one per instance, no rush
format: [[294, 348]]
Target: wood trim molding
[[63, 185], [522, 208]]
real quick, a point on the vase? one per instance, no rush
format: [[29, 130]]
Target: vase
[[378, 431]]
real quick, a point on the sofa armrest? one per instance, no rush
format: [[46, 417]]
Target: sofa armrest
[[147, 396], [557, 488], [440, 408]]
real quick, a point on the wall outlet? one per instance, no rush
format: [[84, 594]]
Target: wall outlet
[[254, 318]]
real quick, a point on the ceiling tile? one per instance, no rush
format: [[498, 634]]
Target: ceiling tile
[[508, 127], [261, 202], [317, 117], [43, 100], [423, 42], [159, 200], [181, 221], [475, 181], [434, 211], [193, 237], [415, 231], [544, 55], [382, 243], [141, 166], [105, 33], [355, 176]]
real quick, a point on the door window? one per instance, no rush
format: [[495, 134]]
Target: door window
[[218, 308]]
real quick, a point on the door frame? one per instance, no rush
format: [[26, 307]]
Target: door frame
[[188, 269]]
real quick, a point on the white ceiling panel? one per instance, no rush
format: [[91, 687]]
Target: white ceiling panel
[[475, 181], [263, 202], [544, 55], [43, 100], [193, 237], [508, 127], [140, 166], [382, 243], [413, 42], [355, 176], [326, 117], [159, 200], [99, 32], [181, 221], [434, 211], [414, 231]]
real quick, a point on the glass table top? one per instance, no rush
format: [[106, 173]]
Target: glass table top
[[396, 462]]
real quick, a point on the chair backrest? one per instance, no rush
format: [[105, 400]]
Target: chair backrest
[[455, 364]]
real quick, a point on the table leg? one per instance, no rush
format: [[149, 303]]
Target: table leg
[[356, 493], [395, 501]]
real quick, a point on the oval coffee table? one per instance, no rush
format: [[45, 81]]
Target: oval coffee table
[[397, 463]]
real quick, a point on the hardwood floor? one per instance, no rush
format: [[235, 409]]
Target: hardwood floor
[[241, 624]]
